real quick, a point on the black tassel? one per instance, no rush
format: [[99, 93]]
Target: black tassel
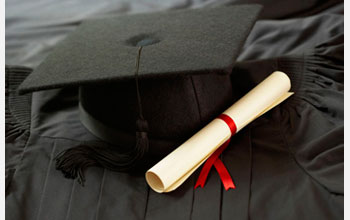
[[74, 161], [142, 142]]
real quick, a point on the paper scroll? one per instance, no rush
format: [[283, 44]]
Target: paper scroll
[[175, 168]]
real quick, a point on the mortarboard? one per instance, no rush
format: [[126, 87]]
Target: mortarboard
[[181, 60], [197, 41]]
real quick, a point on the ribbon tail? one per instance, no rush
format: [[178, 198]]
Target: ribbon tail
[[203, 175], [202, 178], [208, 164], [225, 176]]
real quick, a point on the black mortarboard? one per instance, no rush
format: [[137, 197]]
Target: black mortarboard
[[179, 42], [183, 61]]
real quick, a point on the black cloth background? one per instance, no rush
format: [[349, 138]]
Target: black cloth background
[[288, 164], [34, 27]]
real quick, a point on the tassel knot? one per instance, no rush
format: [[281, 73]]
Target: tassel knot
[[141, 125]]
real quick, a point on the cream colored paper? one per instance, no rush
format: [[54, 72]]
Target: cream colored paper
[[175, 168]]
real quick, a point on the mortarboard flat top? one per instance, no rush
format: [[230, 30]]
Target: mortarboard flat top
[[195, 41]]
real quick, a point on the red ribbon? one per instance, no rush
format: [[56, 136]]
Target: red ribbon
[[215, 160]]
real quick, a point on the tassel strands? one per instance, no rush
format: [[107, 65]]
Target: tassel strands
[[74, 161]]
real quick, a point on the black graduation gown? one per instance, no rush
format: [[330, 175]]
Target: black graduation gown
[[288, 164]]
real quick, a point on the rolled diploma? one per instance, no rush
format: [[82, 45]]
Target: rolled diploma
[[175, 168]]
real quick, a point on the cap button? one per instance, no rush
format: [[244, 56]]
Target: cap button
[[142, 40]]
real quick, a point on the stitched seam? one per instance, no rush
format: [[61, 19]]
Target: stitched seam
[[200, 118], [21, 159], [100, 195], [197, 100], [221, 197], [46, 178], [70, 200], [146, 206], [251, 167], [69, 139]]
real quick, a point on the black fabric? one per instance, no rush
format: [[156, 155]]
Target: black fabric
[[290, 36], [291, 8], [288, 164], [185, 42]]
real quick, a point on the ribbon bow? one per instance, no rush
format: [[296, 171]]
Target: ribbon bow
[[216, 161]]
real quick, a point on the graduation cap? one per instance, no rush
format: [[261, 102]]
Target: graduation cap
[[168, 71]]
